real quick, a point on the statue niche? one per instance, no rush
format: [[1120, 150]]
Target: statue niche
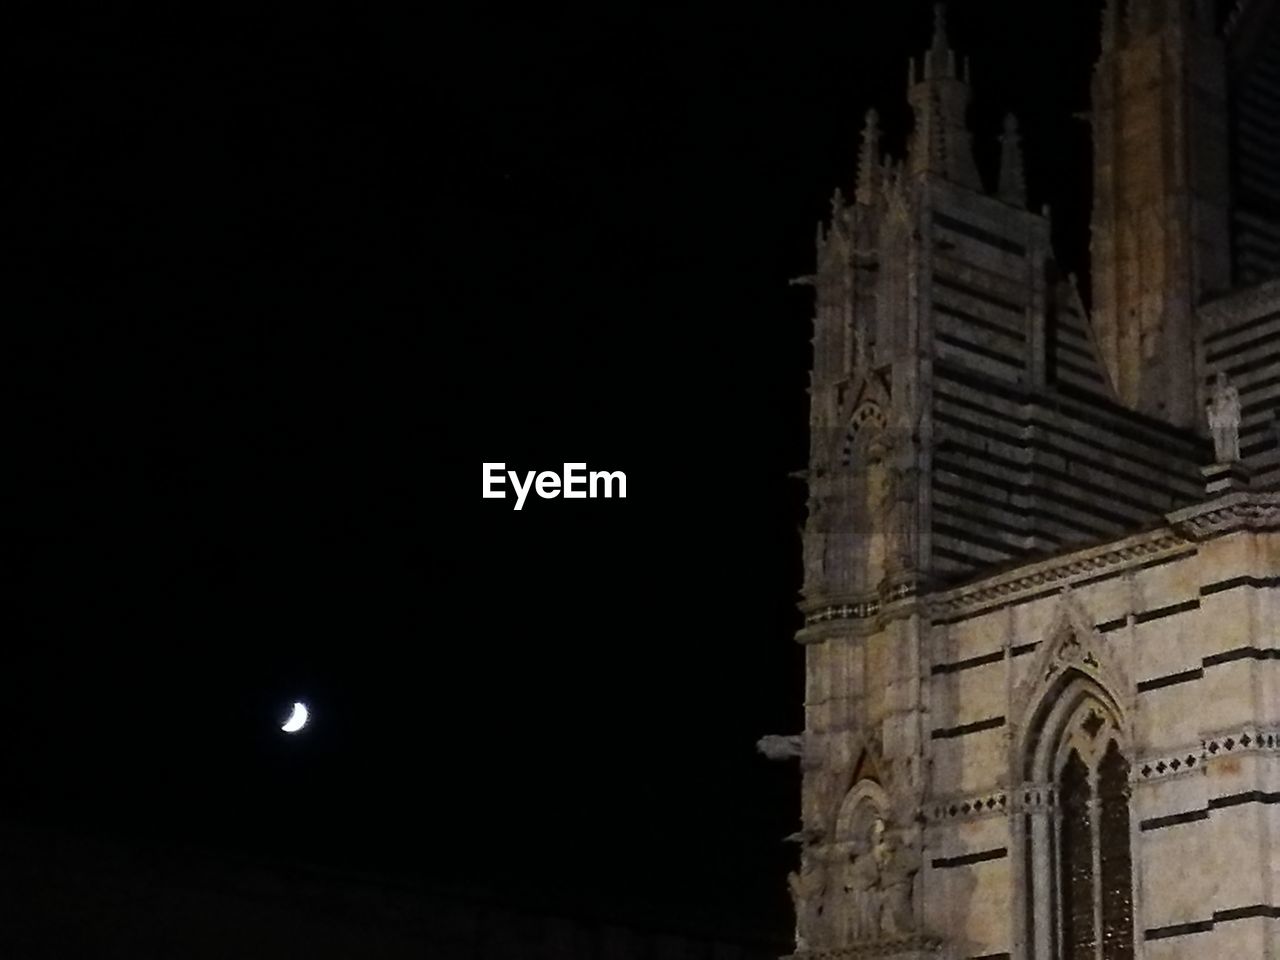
[[868, 453], [875, 897], [892, 518], [879, 504], [847, 546]]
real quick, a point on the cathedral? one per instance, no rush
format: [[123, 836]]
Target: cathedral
[[1042, 552]]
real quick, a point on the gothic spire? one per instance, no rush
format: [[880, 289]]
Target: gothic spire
[[839, 212], [940, 43], [1013, 182], [939, 98], [940, 61], [869, 160]]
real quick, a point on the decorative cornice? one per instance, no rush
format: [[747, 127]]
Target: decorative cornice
[[899, 947], [1056, 572], [1235, 511]]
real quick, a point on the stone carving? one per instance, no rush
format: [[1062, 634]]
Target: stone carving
[[808, 889], [898, 865], [897, 198], [861, 880], [1254, 511], [1070, 646], [778, 747], [828, 542], [1224, 420], [871, 869], [805, 835], [878, 884], [879, 504], [905, 521], [815, 550]]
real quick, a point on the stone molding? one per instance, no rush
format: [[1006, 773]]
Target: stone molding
[[902, 948], [864, 608], [989, 803], [1236, 511], [1055, 572], [998, 801], [1170, 764]]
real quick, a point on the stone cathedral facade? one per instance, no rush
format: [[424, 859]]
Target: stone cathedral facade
[[1042, 554]]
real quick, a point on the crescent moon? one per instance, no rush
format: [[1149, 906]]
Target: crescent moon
[[297, 720]]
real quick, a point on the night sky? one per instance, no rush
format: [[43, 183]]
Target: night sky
[[279, 283]]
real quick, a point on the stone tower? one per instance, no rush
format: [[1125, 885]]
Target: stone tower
[[1161, 222], [1041, 675], [941, 314]]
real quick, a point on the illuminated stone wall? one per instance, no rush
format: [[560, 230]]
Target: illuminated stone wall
[[959, 707]]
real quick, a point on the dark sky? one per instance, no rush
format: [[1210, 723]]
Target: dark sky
[[281, 282]]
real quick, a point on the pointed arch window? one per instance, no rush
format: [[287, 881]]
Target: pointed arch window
[[1079, 849]]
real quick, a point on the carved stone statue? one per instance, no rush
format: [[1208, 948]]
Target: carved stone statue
[[861, 890], [898, 865], [1224, 420], [878, 521], [904, 519], [808, 896], [815, 556], [877, 886]]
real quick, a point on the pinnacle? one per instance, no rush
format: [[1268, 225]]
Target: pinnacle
[[869, 159], [940, 42], [1013, 183]]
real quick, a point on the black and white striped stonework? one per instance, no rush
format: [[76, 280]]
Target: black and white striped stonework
[[1031, 452], [1072, 359], [980, 296], [1020, 474]]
